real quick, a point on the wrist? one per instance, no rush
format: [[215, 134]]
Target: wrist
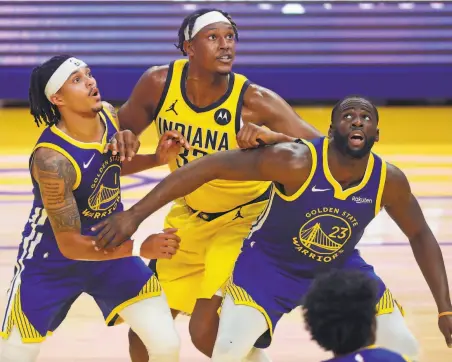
[[444, 307], [155, 160], [281, 137], [137, 214], [136, 247]]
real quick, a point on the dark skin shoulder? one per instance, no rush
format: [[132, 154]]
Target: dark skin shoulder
[[138, 112], [264, 107], [401, 204]]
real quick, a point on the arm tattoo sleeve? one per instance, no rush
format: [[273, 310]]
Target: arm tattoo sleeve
[[56, 177]]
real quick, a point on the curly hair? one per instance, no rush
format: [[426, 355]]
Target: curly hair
[[340, 310]]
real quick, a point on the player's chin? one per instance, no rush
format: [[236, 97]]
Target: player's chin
[[97, 107], [224, 69]]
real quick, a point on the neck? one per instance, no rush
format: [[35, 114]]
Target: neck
[[203, 87], [345, 169], [82, 127]]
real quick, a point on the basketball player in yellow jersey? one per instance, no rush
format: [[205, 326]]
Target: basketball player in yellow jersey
[[205, 101]]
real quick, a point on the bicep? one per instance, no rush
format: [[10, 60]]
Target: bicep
[[276, 114], [403, 207], [56, 177], [138, 112], [134, 116]]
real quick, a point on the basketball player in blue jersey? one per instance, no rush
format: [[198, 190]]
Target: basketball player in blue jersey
[[209, 104], [324, 195], [339, 313], [76, 184]]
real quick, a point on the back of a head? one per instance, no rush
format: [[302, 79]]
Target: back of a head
[[340, 309], [40, 107]]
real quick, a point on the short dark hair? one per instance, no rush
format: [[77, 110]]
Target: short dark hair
[[338, 104], [41, 108], [340, 310], [190, 20]]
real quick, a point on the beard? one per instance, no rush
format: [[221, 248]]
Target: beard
[[97, 109], [341, 143]]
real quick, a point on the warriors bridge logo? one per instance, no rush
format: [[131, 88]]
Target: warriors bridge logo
[[325, 234]]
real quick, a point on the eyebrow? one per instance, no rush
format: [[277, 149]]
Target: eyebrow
[[365, 108]]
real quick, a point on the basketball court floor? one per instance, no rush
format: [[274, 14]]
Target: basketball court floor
[[84, 337]]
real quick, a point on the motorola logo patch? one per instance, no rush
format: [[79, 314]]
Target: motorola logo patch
[[222, 116]]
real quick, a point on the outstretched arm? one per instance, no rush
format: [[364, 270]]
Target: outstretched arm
[[127, 144], [266, 108], [288, 164], [275, 163], [404, 209], [56, 177]]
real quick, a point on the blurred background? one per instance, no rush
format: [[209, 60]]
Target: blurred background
[[399, 54]]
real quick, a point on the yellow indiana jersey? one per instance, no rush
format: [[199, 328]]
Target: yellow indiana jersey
[[208, 129]]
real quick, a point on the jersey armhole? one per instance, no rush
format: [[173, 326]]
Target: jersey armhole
[[238, 111], [168, 80], [305, 185]]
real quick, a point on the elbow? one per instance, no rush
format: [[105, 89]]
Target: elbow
[[68, 253], [422, 235], [66, 248]]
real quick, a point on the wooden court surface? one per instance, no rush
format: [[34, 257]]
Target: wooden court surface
[[84, 337]]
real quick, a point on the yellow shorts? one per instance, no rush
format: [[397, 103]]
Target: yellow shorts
[[207, 254]]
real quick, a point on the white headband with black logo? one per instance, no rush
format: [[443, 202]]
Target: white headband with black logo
[[60, 75], [204, 20]]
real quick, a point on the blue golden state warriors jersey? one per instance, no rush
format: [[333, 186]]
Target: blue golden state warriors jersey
[[319, 225], [371, 354], [96, 190]]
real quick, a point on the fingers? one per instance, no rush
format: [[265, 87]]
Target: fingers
[[248, 135], [177, 137], [112, 146], [121, 146], [447, 336], [167, 252], [131, 145], [169, 237], [100, 238], [170, 230], [100, 225], [111, 239]]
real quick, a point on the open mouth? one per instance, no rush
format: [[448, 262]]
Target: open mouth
[[356, 138], [225, 58], [94, 92]]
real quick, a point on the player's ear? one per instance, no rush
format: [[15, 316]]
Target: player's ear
[[57, 99], [377, 137], [188, 48], [330, 131]]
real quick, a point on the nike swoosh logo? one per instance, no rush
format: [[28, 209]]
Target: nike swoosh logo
[[85, 165], [315, 189]]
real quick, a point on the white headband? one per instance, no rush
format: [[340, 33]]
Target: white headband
[[60, 75], [204, 20]]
